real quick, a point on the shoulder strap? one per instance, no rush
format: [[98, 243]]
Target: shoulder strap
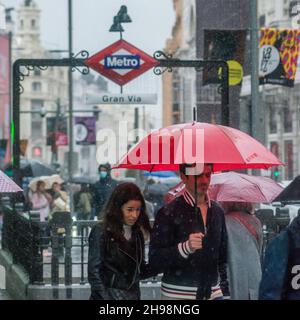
[[246, 224]]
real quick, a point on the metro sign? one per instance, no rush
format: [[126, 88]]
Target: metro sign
[[121, 62]]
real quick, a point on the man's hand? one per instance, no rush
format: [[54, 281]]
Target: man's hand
[[195, 241]]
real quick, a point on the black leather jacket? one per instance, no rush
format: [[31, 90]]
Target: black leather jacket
[[115, 267]]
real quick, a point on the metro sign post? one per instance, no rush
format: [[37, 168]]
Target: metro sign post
[[121, 62]]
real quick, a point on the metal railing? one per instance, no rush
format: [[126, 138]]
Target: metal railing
[[27, 239], [272, 225]]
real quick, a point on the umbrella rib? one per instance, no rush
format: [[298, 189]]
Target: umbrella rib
[[257, 187]]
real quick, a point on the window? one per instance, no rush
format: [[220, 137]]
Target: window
[[192, 27], [274, 147], [21, 24], [187, 99], [287, 119], [176, 107], [36, 86], [36, 130], [272, 120], [176, 92], [176, 118], [36, 105], [262, 20], [37, 72], [289, 159], [33, 24]]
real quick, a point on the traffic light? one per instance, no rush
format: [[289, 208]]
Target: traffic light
[[37, 151], [276, 174]]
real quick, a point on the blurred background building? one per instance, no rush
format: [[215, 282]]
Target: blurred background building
[[221, 30]]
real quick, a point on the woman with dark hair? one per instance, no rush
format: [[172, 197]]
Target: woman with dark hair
[[40, 200], [116, 248], [244, 232]]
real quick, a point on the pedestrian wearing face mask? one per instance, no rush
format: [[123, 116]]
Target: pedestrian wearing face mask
[[102, 189]]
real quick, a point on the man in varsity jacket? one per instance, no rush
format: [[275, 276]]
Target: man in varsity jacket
[[191, 249]]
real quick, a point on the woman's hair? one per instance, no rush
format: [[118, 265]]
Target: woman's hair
[[55, 184], [231, 206], [113, 214], [39, 183]]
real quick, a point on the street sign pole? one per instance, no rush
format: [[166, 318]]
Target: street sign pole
[[70, 163]]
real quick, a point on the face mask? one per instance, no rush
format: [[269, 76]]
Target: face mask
[[103, 174]]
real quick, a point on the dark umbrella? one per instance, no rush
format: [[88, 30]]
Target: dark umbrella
[[291, 193], [34, 168], [83, 180]]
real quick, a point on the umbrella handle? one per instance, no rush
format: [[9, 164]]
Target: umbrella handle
[[199, 221]]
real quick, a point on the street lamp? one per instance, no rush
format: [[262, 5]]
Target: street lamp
[[70, 91], [121, 17]]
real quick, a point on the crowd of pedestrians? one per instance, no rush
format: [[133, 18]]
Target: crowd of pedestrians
[[202, 249]]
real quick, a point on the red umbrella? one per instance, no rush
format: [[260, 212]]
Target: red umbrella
[[7, 185], [226, 148]]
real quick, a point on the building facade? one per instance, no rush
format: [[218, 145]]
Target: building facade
[[42, 88], [179, 86], [281, 105], [48, 90]]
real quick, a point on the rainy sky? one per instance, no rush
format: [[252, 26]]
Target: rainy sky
[[151, 25], [152, 22]]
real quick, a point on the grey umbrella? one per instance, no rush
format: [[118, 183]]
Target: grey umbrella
[[35, 168], [83, 180]]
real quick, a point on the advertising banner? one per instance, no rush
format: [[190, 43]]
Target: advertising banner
[[85, 130], [278, 56]]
